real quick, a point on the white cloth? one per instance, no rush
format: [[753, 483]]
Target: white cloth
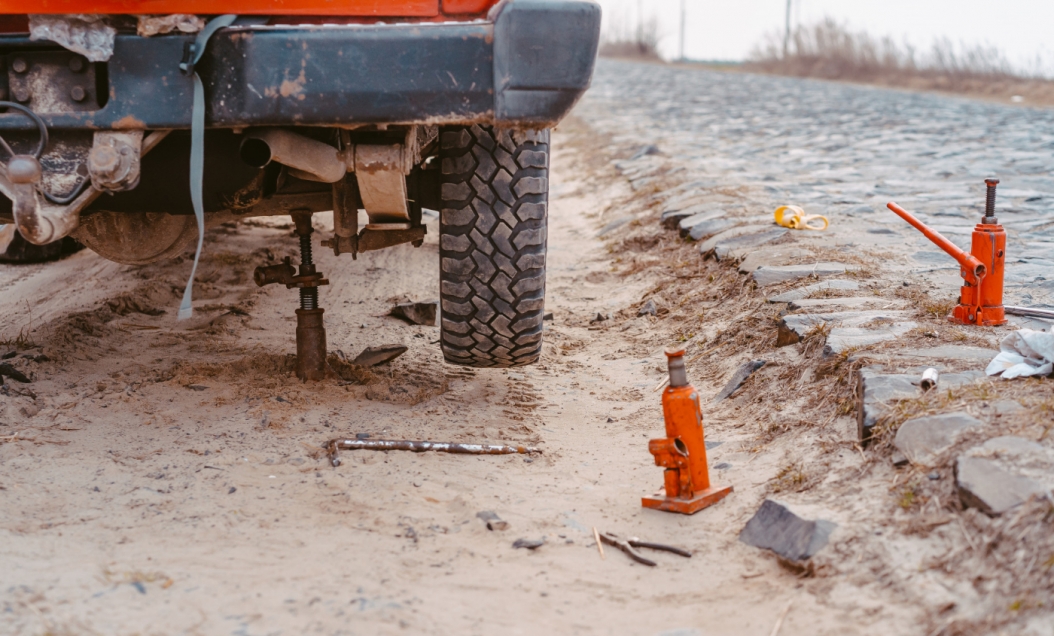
[[1024, 353]]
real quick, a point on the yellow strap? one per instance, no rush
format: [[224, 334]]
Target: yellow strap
[[797, 219]]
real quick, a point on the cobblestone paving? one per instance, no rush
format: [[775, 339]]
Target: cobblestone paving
[[844, 151]]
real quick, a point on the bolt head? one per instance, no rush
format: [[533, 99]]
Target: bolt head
[[991, 183], [78, 93], [19, 65], [21, 94], [77, 64], [23, 169], [103, 160]]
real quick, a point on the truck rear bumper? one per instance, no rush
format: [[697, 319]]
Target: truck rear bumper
[[527, 67]]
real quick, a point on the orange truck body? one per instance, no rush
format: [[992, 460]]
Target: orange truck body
[[350, 8]]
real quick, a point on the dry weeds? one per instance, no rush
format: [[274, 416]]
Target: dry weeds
[[830, 50]]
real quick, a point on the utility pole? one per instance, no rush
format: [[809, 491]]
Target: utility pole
[[787, 31], [682, 29], [640, 25]]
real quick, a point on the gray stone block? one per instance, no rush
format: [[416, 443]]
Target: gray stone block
[[805, 292], [614, 225], [774, 527], [849, 302], [420, 313], [672, 218], [723, 249], [744, 371], [842, 339], [951, 352], [874, 391], [710, 243], [923, 439], [793, 327], [373, 356], [1003, 473], [685, 225], [765, 276], [781, 255]]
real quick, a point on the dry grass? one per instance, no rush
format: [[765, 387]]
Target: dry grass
[[829, 50]]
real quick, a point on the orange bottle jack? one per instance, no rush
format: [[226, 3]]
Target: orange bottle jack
[[981, 296], [682, 452]]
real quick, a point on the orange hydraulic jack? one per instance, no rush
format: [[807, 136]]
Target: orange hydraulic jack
[[981, 297], [683, 452]]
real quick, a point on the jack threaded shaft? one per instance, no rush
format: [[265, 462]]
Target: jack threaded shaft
[[989, 203], [308, 295]]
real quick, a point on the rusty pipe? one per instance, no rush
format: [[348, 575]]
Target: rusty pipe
[[420, 447], [308, 158], [973, 269]]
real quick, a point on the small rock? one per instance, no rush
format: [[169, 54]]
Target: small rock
[[644, 151], [421, 313], [530, 544], [805, 292], [765, 276], [648, 309], [373, 356], [6, 370], [362, 436], [232, 490], [738, 378], [614, 225], [923, 439], [1001, 408], [1003, 473], [548, 316], [934, 476], [774, 527], [493, 521], [197, 387], [899, 459], [722, 466], [598, 318]]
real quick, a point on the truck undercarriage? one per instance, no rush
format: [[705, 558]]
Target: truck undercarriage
[[387, 118]]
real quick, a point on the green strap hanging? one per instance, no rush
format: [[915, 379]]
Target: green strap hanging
[[197, 144]]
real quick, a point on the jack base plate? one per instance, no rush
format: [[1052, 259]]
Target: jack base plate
[[701, 500]]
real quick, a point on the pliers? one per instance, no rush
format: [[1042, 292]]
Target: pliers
[[627, 545]]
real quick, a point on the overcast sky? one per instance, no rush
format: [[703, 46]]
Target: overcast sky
[[728, 29]]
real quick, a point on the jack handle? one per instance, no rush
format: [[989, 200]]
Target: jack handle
[[973, 269]]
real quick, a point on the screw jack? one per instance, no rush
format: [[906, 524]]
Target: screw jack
[[310, 329]]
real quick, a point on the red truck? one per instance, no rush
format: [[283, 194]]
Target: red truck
[[131, 124]]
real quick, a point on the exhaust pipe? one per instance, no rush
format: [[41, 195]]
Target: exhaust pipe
[[307, 158]]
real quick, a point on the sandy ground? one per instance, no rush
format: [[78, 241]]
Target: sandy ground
[[134, 504]]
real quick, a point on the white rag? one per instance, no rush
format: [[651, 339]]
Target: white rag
[[1024, 353]]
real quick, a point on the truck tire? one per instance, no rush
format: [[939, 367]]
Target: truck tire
[[492, 239]]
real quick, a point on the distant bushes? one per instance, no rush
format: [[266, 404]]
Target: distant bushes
[[634, 41], [830, 50]]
